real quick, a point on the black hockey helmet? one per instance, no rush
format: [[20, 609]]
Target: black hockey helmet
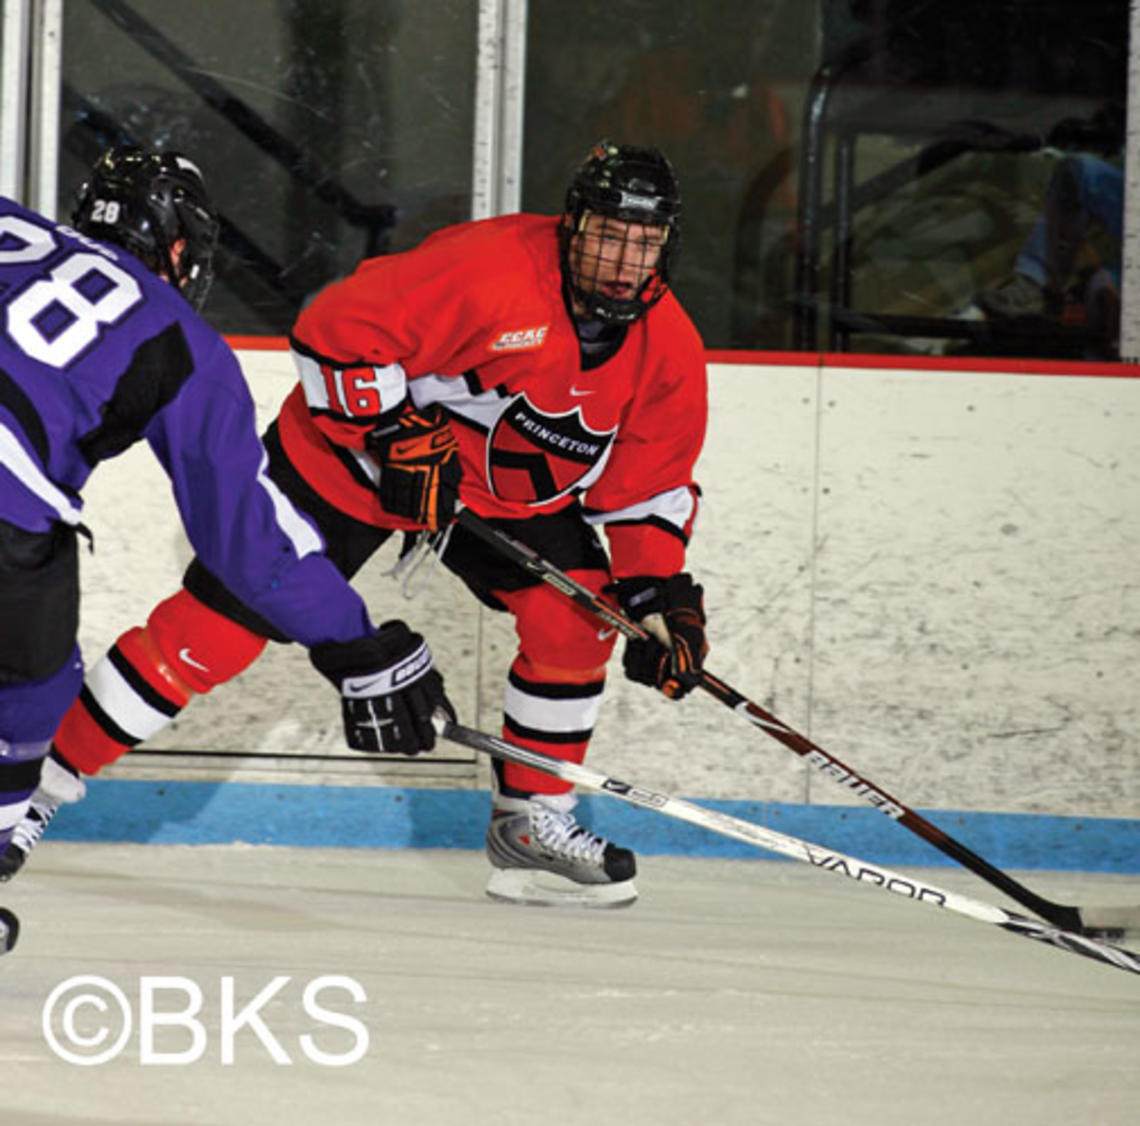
[[146, 201], [630, 185]]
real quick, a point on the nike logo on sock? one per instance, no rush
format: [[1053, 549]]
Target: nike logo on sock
[[184, 655]]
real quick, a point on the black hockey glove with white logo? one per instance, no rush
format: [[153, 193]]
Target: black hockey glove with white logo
[[389, 689], [419, 466], [674, 669]]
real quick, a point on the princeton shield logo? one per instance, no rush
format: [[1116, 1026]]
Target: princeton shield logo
[[533, 457]]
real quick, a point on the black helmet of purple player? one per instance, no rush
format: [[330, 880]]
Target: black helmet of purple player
[[145, 202], [620, 232]]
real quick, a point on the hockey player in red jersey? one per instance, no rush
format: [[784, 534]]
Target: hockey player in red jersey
[[542, 365]]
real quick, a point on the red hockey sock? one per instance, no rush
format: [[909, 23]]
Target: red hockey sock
[[149, 676], [554, 689]]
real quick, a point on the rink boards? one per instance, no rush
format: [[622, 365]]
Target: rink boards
[[929, 568]]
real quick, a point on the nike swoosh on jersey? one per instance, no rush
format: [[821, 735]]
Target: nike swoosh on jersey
[[184, 655], [578, 392]]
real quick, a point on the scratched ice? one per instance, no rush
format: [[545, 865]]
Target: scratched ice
[[296, 986]]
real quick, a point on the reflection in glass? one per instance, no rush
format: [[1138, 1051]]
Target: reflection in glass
[[328, 130], [856, 174]]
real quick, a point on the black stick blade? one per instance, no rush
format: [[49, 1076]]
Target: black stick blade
[[9, 930]]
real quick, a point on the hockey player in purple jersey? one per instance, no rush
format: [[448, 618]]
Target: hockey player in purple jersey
[[100, 347]]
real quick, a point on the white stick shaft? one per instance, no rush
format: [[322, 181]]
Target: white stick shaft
[[791, 847]]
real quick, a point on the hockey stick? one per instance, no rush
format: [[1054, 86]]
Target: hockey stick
[[9, 930], [1106, 922], [792, 847]]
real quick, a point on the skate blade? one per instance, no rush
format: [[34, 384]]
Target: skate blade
[[545, 889], [9, 930]]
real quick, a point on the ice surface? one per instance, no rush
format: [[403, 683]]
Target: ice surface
[[734, 992]]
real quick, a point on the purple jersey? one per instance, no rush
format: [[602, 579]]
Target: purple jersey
[[97, 352]]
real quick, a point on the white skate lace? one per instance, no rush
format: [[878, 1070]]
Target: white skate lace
[[428, 544], [26, 835], [559, 831]]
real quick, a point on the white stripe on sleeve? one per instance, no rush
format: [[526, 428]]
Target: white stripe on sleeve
[[354, 390], [24, 468], [300, 533]]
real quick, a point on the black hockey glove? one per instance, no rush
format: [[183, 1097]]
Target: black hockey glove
[[419, 466], [675, 668], [389, 689]]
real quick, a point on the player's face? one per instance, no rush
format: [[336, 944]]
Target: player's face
[[614, 258], [177, 247]]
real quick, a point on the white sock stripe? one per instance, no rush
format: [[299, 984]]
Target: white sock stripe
[[541, 714], [122, 703]]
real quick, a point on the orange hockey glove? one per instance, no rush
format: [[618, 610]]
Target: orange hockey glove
[[419, 466]]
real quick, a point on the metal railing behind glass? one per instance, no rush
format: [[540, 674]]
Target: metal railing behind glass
[[94, 129]]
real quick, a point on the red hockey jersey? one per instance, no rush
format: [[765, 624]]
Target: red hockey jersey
[[474, 319]]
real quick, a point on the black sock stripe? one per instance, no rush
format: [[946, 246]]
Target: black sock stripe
[[106, 724], [141, 686], [521, 732], [548, 691]]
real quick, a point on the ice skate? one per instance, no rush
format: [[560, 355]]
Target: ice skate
[[543, 857], [57, 787]]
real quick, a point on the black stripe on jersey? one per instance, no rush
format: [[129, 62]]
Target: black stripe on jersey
[[24, 411], [548, 691], [319, 357], [156, 373], [567, 737], [108, 726], [349, 542], [140, 686], [355, 469], [474, 384], [651, 521], [313, 354], [470, 423]]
